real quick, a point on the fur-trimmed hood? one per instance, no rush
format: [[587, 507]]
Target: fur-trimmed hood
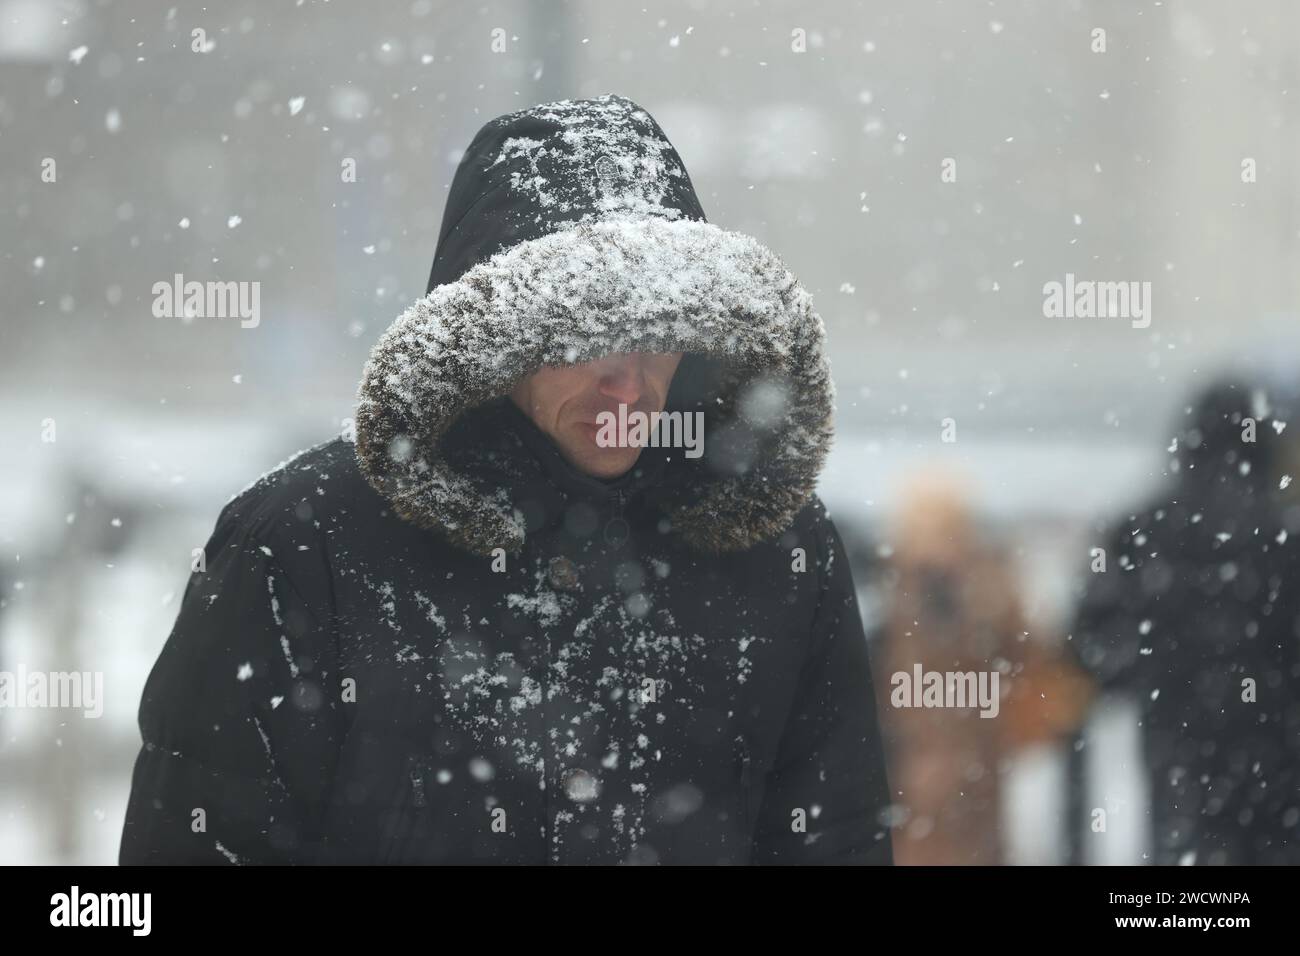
[[572, 231]]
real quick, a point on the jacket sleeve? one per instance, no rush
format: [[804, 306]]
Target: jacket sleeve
[[831, 759], [237, 716]]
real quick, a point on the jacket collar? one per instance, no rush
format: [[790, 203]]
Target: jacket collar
[[575, 483], [510, 458]]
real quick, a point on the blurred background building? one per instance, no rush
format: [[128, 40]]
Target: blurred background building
[[823, 128]]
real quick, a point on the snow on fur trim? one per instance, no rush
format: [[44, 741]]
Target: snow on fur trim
[[588, 290]]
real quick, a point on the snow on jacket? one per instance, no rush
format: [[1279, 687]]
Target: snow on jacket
[[445, 644]]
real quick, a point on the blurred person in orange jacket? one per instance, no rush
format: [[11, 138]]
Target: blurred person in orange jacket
[[954, 607]]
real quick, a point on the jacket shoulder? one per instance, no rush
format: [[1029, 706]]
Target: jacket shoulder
[[813, 525], [303, 497]]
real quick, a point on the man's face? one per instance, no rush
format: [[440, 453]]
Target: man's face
[[565, 402]]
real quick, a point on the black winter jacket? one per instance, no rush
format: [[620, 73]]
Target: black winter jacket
[[1198, 618], [444, 644]]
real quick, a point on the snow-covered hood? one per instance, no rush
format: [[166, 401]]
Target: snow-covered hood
[[572, 231]]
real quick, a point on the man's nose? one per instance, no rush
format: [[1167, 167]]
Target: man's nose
[[623, 377]]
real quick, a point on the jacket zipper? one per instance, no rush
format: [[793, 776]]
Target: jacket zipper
[[417, 783], [745, 763], [413, 798], [617, 521]]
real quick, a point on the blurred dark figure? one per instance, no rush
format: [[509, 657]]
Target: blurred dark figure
[[1197, 614]]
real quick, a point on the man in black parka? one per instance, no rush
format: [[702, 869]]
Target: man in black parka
[[449, 643]]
